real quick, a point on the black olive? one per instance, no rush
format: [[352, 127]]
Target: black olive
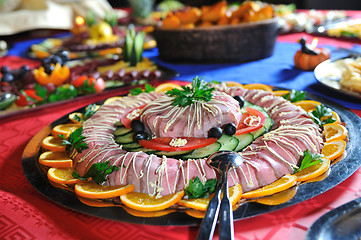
[[230, 129], [8, 77], [45, 61], [64, 55], [56, 59], [240, 100], [48, 68], [137, 126], [215, 132], [5, 69], [140, 136]]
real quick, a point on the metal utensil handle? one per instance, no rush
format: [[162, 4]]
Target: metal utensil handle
[[210, 219], [226, 231]]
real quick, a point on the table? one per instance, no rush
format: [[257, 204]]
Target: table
[[26, 214]]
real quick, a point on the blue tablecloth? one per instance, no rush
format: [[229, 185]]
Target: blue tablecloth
[[277, 70]]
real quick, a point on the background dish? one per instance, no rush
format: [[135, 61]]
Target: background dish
[[339, 172], [340, 223], [329, 73]]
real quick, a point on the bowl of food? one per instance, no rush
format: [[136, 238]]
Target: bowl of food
[[218, 33]]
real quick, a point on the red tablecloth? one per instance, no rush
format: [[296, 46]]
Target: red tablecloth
[[26, 214]]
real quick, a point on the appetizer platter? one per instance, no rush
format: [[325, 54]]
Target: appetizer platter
[[348, 29], [151, 172], [341, 75], [60, 79]]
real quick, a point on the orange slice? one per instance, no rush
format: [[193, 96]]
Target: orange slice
[[333, 149], [307, 104], [138, 213], [56, 159], [333, 132], [76, 117], [334, 115], [54, 144], [64, 129], [62, 175], [146, 202], [195, 213], [110, 100], [97, 202], [313, 171], [280, 93], [92, 190], [278, 198], [233, 84], [235, 194], [281, 184], [259, 86], [166, 87]]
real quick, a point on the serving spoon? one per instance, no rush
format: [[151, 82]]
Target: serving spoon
[[223, 161]]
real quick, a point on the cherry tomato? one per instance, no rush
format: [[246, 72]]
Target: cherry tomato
[[80, 81], [21, 101], [244, 125], [99, 85], [24, 100], [162, 143]]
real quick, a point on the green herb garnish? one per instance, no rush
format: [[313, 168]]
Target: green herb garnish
[[295, 95], [196, 189], [136, 91], [320, 112], [199, 91], [309, 159], [98, 172], [75, 140]]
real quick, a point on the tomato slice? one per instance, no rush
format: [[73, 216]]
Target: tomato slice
[[126, 121], [162, 143], [244, 125]]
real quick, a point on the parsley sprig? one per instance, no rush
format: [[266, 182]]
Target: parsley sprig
[[197, 189], [97, 172], [322, 115], [136, 91], [75, 140], [90, 110], [199, 91], [295, 95], [309, 159]]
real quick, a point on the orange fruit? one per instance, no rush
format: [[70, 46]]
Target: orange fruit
[[110, 100], [235, 194], [259, 86], [313, 171], [333, 131], [195, 213], [334, 115], [96, 202], [166, 87], [138, 213], [333, 149], [146, 202], [55, 159], [278, 198], [233, 84], [54, 144], [76, 117], [281, 184], [307, 104], [92, 190], [62, 175], [280, 93], [64, 129]]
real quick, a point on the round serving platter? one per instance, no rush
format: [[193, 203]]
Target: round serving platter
[[340, 171]]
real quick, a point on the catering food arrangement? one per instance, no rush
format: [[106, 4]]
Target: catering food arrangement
[[119, 135]]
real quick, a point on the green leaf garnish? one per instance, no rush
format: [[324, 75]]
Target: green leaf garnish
[[320, 112], [199, 91], [75, 140], [98, 172], [136, 91], [196, 189], [309, 159], [295, 95]]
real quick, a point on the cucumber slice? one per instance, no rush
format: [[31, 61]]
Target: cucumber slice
[[229, 143], [203, 152], [174, 153], [129, 146], [124, 139], [120, 131], [145, 150], [244, 141]]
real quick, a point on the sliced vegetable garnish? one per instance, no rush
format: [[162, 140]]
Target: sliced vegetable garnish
[[132, 115], [162, 143], [251, 120]]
